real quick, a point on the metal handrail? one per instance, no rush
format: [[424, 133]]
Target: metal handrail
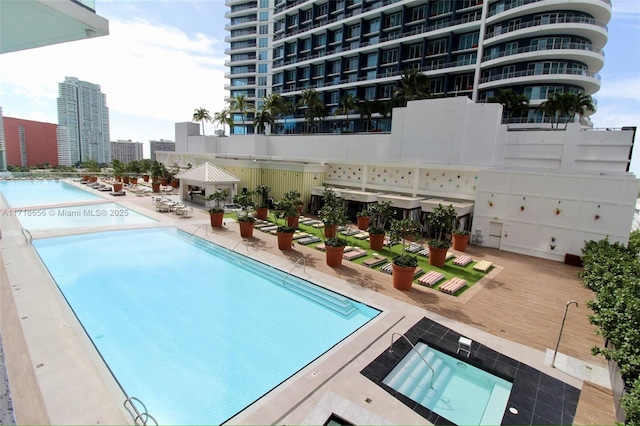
[[206, 229], [433, 373], [304, 268], [244, 240], [27, 235], [138, 415]]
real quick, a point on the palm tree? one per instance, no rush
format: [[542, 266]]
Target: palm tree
[[223, 117], [577, 104], [201, 115], [313, 106], [513, 102], [366, 108], [277, 106], [263, 116], [413, 86], [347, 104], [554, 107], [242, 105]]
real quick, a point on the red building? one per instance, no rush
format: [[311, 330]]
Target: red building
[[29, 143]]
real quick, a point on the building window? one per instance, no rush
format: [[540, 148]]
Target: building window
[[334, 97], [263, 29], [353, 31], [263, 42], [263, 16], [321, 40], [369, 93], [262, 81], [387, 90], [264, 4], [418, 13], [390, 56], [415, 51], [468, 41], [291, 76], [547, 68], [277, 78], [372, 60], [292, 49], [393, 20], [463, 82], [437, 47], [321, 10], [335, 67], [293, 20], [337, 36], [374, 25], [435, 85], [307, 15], [509, 71], [305, 73], [351, 64], [440, 7], [263, 55], [467, 59], [318, 70], [262, 93], [511, 48], [306, 45], [262, 68]]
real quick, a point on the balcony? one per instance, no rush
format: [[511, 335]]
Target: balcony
[[586, 53], [579, 77]]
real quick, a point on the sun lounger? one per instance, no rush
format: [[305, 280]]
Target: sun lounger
[[318, 225], [387, 268], [298, 235], [308, 240], [463, 260], [349, 232], [262, 225], [118, 193], [361, 235], [321, 247], [424, 252], [431, 278], [453, 285], [374, 261], [268, 228], [413, 248], [483, 266], [354, 254]]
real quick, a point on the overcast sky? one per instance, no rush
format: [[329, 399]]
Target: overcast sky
[[163, 59]]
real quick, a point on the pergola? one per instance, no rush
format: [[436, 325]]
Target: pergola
[[210, 178]]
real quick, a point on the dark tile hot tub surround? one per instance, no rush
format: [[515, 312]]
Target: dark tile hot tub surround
[[539, 398]]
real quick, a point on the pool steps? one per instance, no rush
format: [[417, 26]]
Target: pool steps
[[336, 303]]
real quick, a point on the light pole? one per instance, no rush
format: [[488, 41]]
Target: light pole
[[566, 308]]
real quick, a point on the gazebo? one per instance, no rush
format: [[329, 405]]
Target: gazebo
[[208, 178]]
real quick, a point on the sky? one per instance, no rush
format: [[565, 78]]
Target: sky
[[164, 59]]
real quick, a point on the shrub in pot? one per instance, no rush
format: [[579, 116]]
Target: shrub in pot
[[245, 201], [404, 264], [262, 193], [333, 213], [216, 212], [364, 218], [286, 209], [380, 213], [460, 239], [294, 197], [440, 223]]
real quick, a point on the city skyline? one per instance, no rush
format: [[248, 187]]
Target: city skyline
[[162, 60]]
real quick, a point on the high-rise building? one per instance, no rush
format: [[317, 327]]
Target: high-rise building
[[161, 145], [465, 47], [30, 143], [82, 109], [126, 151]]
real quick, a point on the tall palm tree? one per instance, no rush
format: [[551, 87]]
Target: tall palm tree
[[577, 104], [277, 106], [413, 86], [554, 107], [242, 105], [513, 102], [201, 115], [313, 106], [347, 104], [366, 108], [223, 118], [263, 117]]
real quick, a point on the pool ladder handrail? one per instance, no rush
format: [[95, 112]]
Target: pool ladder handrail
[[246, 243], [206, 230], [138, 415], [27, 235], [433, 373], [304, 268]]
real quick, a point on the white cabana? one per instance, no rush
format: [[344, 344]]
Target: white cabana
[[210, 178]]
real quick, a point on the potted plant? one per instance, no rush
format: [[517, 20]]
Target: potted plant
[[263, 208], [440, 223], [216, 214], [286, 209], [294, 197], [145, 165], [156, 173], [363, 219], [245, 201], [380, 213], [460, 239], [404, 264], [332, 213]]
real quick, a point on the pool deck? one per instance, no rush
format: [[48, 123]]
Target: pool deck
[[56, 376]]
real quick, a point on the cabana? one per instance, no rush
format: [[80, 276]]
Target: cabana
[[208, 179]]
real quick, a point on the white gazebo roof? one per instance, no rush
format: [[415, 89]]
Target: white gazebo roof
[[208, 173]]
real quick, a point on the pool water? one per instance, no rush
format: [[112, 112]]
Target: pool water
[[195, 332], [459, 392], [43, 193], [100, 214]]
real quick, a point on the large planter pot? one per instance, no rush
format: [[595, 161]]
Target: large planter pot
[[117, 187], [175, 183], [285, 240], [145, 178], [164, 181], [246, 229], [93, 178], [376, 241], [133, 181], [334, 255], [262, 213], [403, 277], [460, 242], [292, 221], [437, 256], [216, 219], [155, 186], [330, 231], [363, 223], [125, 179]]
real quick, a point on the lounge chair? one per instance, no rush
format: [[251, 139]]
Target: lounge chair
[[118, 193], [453, 285], [388, 269], [483, 266], [462, 260], [350, 232], [321, 247], [309, 240], [374, 261], [297, 235], [424, 252], [361, 236], [354, 254], [431, 278], [268, 228], [413, 248]]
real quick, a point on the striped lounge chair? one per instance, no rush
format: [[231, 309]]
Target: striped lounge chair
[[483, 266], [462, 260], [413, 248], [268, 228], [354, 254], [424, 252], [453, 285], [431, 278], [309, 240], [388, 269]]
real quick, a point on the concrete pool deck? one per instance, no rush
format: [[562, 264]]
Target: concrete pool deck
[[57, 377]]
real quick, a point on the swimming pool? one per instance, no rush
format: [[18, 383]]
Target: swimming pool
[[197, 333], [43, 193], [457, 391], [100, 214]]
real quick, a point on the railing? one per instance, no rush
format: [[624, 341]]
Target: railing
[[517, 3], [416, 351], [141, 418], [304, 268], [559, 46], [244, 240], [550, 21], [206, 229], [528, 73], [27, 235]]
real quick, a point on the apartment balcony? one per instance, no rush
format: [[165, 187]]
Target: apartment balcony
[[591, 56], [241, 9], [249, 47], [239, 24], [599, 9], [238, 62], [578, 77]]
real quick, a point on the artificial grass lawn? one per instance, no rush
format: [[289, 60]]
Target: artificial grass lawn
[[449, 270]]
